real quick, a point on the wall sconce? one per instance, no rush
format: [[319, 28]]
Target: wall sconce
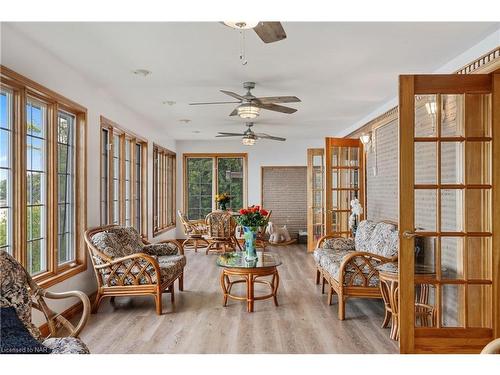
[[366, 141], [431, 108]]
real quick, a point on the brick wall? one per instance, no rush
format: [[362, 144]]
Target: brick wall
[[284, 191]]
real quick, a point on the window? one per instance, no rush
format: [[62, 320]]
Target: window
[[6, 106], [123, 177], [42, 179], [208, 174], [163, 190]]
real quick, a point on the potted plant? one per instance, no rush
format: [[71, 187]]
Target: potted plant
[[251, 219], [222, 200]]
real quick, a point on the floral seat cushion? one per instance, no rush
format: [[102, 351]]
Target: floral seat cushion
[[357, 271], [171, 266], [66, 345]]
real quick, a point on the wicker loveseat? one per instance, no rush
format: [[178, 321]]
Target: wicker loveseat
[[20, 292], [348, 265], [126, 265]]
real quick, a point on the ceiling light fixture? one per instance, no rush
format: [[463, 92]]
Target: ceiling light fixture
[[248, 140], [248, 111], [185, 120], [142, 72], [169, 102], [365, 138], [241, 25], [196, 132]]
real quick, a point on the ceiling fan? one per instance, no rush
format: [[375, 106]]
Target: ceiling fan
[[269, 32], [250, 105], [248, 136]]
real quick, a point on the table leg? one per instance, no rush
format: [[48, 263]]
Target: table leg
[[223, 286], [250, 293], [276, 283]]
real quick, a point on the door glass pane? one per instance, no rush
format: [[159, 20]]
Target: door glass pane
[[452, 210], [478, 115], [425, 210], [452, 305], [478, 218], [425, 162], [452, 162], [452, 252], [230, 180], [478, 162], [479, 306], [479, 258], [452, 115], [425, 116]]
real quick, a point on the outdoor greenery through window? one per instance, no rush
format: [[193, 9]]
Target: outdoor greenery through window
[[163, 189], [123, 171], [207, 175], [41, 214]]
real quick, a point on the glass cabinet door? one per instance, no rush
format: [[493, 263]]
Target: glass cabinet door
[[315, 196]]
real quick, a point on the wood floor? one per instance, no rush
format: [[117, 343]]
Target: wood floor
[[198, 323]]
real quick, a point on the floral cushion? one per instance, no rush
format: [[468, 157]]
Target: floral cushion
[[364, 234], [171, 266], [14, 291], [66, 345], [384, 240], [129, 239], [108, 244], [338, 243], [159, 249], [356, 272]]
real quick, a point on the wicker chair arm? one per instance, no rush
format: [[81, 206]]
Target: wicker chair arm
[[74, 331], [362, 254], [327, 237], [116, 263], [176, 243]]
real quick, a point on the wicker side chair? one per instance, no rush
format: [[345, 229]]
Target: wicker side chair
[[221, 229], [18, 290], [127, 265], [195, 230]]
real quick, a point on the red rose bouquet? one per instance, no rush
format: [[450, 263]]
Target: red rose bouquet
[[253, 217]]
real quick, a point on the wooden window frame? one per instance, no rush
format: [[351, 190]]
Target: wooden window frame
[[161, 156], [124, 135], [215, 157], [22, 88]]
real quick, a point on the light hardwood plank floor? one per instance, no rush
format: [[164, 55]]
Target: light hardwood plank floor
[[198, 323]]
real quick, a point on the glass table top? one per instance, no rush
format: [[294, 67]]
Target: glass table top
[[237, 260]]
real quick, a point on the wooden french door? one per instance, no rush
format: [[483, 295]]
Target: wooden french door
[[449, 198], [344, 182], [315, 196]]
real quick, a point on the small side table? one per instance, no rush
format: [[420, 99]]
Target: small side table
[[235, 264], [389, 287]]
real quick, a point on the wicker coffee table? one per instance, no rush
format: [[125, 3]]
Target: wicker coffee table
[[249, 272]]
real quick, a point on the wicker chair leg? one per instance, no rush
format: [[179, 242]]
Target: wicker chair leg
[[330, 296], [318, 274], [172, 293], [181, 282], [323, 282], [341, 306], [387, 319], [158, 302], [97, 302]]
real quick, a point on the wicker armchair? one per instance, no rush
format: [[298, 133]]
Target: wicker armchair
[[126, 265], [221, 231], [18, 290], [348, 265], [195, 230]]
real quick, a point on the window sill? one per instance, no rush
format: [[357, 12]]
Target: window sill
[[164, 230], [46, 280]]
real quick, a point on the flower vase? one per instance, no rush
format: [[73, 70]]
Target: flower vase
[[250, 236]]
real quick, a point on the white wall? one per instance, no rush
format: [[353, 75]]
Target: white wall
[[31, 60], [263, 153]]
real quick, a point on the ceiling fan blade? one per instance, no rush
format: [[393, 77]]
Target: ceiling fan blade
[[267, 136], [278, 99], [270, 32], [276, 108], [221, 134], [201, 103], [234, 113], [233, 94]]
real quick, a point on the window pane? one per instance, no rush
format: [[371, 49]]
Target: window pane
[[230, 180], [36, 169], [128, 184], [199, 187], [137, 182], [104, 177], [65, 177], [6, 171], [116, 179]]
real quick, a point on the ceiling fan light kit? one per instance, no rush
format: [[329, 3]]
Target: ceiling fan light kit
[[249, 137], [248, 141], [248, 111], [241, 25]]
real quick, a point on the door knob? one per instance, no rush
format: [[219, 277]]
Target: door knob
[[408, 234]]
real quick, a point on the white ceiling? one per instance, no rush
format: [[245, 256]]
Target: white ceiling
[[340, 71]]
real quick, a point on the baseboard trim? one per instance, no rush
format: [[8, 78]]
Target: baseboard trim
[[69, 313]]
